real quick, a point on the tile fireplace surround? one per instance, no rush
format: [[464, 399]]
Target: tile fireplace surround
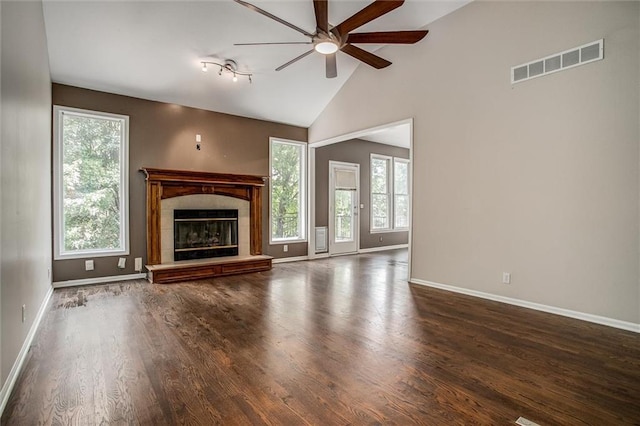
[[163, 184]]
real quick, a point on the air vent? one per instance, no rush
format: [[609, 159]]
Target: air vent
[[580, 55]]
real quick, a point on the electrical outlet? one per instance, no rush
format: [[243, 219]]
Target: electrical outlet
[[506, 278], [88, 265], [122, 262], [138, 264], [380, 239], [285, 248], [24, 313]]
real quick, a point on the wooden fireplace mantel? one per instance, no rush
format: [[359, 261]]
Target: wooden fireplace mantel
[[163, 184]]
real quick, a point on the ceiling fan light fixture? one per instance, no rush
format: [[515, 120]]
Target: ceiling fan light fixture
[[326, 47]]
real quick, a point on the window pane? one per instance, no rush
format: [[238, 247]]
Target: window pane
[[380, 211], [379, 176], [287, 191], [344, 215], [91, 176], [401, 177], [380, 193], [401, 207]]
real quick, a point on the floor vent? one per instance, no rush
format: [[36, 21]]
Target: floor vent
[[321, 239], [571, 58], [525, 422]]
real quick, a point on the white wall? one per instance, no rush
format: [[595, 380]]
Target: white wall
[[25, 173], [540, 179]]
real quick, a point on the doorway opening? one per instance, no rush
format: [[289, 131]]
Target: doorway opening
[[370, 217]]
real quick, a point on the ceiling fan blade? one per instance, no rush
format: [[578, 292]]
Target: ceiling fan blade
[[281, 67], [388, 37], [331, 67], [262, 44], [364, 56], [275, 18], [321, 7], [369, 13]]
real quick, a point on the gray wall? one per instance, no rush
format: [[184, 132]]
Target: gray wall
[[540, 179], [355, 151], [163, 135], [25, 156]]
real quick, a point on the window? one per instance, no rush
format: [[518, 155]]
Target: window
[[380, 192], [287, 191], [389, 193], [400, 193], [91, 201]]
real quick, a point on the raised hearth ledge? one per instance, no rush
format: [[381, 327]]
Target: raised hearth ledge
[[188, 270]]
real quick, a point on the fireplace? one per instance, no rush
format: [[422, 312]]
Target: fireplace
[[202, 190], [201, 234]]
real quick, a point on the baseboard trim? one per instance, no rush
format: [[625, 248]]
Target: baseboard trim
[[99, 280], [611, 322], [383, 248], [290, 259], [8, 385], [319, 256]]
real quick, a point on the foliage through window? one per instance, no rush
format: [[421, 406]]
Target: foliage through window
[[90, 172], [400, 193], [287, 191], [389, 193], [380, 194]]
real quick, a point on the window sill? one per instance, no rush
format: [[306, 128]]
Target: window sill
[[281, 242], [91, 254]]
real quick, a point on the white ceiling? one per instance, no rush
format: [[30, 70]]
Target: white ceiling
[[152, 50], [399, 135]]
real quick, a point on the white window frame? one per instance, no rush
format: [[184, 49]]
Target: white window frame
[[302, 215], [58, 220], [391, 192], [389, 161], [408, 194]]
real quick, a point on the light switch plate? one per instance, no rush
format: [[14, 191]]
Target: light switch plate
[[88, 265]]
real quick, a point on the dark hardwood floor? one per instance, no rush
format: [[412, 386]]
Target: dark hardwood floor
[[331, 342]]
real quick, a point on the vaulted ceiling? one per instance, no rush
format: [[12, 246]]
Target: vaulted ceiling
[[153, 50]]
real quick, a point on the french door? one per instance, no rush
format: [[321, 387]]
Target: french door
[[344, 221]]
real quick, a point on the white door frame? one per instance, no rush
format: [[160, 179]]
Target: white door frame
[[311, 170], [356, 230]]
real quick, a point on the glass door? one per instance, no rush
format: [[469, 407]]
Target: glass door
[[344, 222]]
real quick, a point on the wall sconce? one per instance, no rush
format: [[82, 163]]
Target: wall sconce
[[228, 67]]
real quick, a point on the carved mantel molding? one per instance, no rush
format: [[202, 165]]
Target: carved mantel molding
[[164, 183]]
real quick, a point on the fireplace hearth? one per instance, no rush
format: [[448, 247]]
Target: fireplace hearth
[[201, 234]]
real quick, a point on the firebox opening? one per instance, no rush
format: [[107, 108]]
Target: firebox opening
[[200, 234]]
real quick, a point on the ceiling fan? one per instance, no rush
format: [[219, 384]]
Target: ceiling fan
[[330, 39]]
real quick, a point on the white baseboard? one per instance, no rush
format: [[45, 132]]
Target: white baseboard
[[611, 322], [290, 259], [99, 280], [7, 387], [383, 248], [319, 256]]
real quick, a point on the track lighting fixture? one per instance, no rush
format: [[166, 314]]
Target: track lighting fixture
[[229, 66]]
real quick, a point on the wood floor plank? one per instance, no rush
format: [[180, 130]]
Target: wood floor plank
[[337, 341]]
